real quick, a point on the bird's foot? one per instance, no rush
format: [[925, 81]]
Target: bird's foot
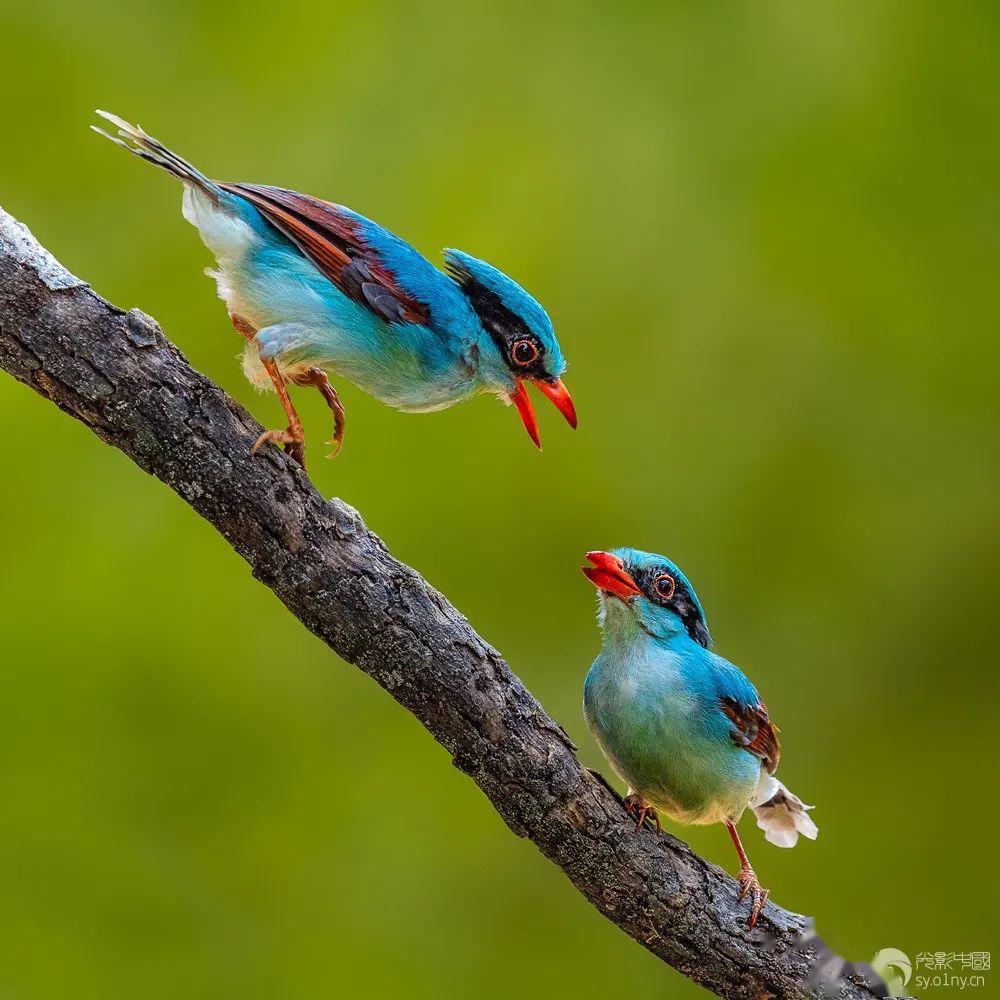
[[318, 378], [294, 443], [636, 805], [338, 443], [758, 896]]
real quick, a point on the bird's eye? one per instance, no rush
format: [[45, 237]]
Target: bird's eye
[[524, 351], [664, 586]]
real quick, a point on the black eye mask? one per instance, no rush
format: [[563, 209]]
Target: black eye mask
[[506, 329], [682, 603]]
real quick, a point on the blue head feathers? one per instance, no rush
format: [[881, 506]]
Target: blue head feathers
[[521, 332], [508, 310], [648, 592]]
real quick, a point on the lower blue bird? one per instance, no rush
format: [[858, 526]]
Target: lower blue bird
[[681, 726], [314, 286]]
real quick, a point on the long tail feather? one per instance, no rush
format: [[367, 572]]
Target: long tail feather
[[139, 143], [780, 814]]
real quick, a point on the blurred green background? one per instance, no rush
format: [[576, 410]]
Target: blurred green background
[[767, 233]]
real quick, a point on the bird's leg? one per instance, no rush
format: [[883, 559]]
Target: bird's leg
[[318, 378], [636, 805], [748, 880], [292, 437]]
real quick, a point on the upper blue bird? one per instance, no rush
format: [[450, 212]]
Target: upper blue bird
[[315, 286], [680, 725]]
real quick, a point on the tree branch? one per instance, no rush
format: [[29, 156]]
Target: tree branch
[[119, 375]]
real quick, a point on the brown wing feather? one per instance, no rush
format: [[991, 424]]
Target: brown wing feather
[[754, 731], [331, 240]]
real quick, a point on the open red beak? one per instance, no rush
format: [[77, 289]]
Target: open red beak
[[560, 397], [608, 574]]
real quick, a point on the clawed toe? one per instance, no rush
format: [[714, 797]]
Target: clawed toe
[[636, 805], [318, 378], [292, 442], [749, 886]]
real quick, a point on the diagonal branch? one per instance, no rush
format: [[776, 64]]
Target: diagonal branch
[[119, 375]]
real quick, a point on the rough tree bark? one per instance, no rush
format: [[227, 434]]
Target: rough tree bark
[[117, 373]]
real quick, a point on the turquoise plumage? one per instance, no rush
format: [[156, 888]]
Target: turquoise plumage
[[683, 727], [314, 286]]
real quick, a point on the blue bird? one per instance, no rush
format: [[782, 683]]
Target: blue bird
[[314, 286], [681, 726]]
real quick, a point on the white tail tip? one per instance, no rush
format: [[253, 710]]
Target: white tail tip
[[780, 814]]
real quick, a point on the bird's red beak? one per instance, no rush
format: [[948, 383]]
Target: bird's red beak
[[559, 395], [608, 574]]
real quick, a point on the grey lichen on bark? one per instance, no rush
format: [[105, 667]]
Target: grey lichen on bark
[[117, 373]]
